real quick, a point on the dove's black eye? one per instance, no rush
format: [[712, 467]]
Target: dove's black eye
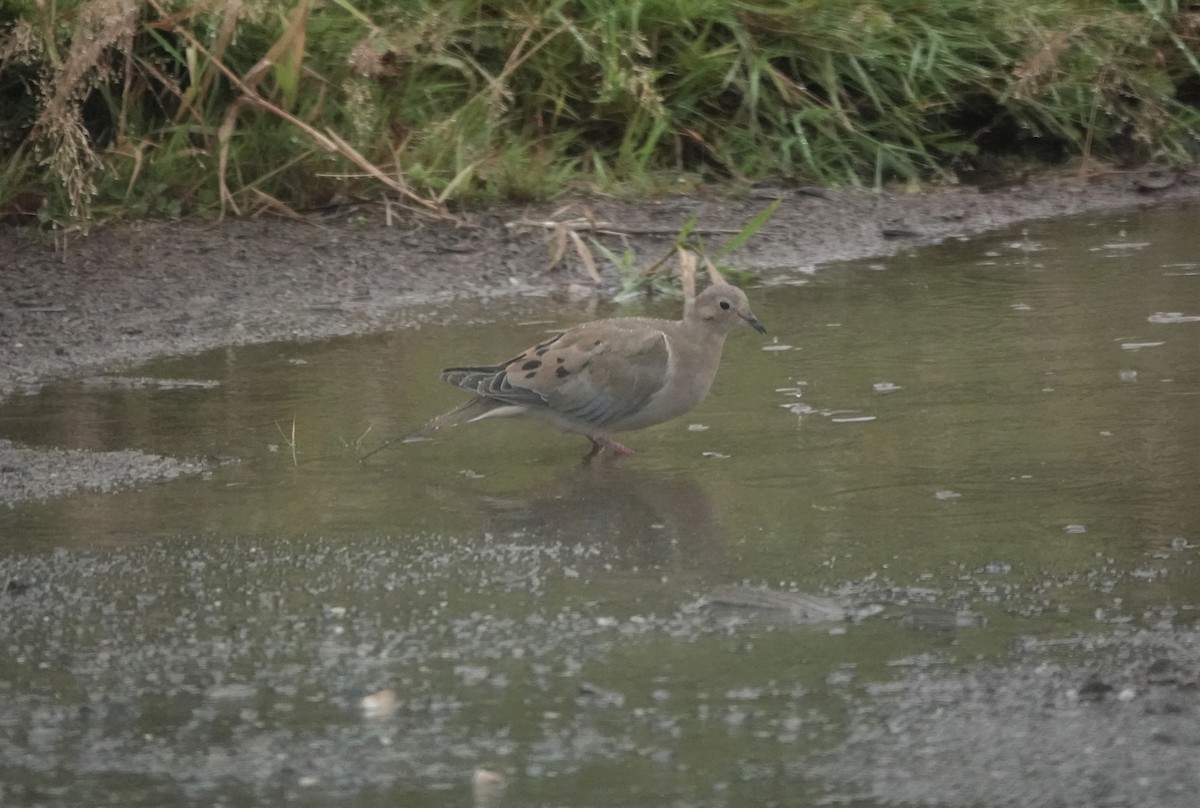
[[725, 305]]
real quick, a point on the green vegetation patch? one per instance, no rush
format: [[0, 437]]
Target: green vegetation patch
[[153, 107]]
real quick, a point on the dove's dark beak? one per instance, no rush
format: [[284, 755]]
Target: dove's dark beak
[[755, 324]]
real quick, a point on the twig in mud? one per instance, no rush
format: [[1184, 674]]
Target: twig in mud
[[357, 444], [291, 442], [563, 237]]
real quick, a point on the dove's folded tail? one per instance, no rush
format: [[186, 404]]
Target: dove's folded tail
[[470, 410]]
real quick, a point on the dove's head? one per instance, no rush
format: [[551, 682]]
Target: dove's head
[[723, 307]]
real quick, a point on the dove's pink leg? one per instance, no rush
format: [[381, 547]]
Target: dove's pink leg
[[601, 442]]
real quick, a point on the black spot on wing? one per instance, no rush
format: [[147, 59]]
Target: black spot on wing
[[532, 364], [562, 373], [498, 387]]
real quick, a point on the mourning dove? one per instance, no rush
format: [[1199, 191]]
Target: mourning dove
[[608, 376]]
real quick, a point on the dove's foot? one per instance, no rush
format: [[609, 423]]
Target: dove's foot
[[601, 442]]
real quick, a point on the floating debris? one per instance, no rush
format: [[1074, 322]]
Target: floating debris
[[1137, 346], [939, 618], [1094, 689], [149, 383], [591, 695], [487, 787], [1173, 317], [768, 604], [471, 675], [235, 691], [379, 704], [1122, 245], [14, 587]]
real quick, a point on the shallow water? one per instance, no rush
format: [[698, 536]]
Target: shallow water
[[1006, 427]]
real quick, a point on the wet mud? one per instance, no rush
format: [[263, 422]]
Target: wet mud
[[1086, 721], [40, 473]]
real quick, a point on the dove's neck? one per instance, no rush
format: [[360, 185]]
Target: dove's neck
[[702, 333], [698, 353]]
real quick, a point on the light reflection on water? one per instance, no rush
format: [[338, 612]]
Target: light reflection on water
[[1009, 424]]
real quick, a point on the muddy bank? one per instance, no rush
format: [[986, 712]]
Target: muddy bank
[[127, 294], [41, 473]]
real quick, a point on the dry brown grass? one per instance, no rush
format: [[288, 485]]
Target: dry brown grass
[[101, 38]]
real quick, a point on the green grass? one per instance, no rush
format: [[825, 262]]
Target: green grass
[[113, 108]]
